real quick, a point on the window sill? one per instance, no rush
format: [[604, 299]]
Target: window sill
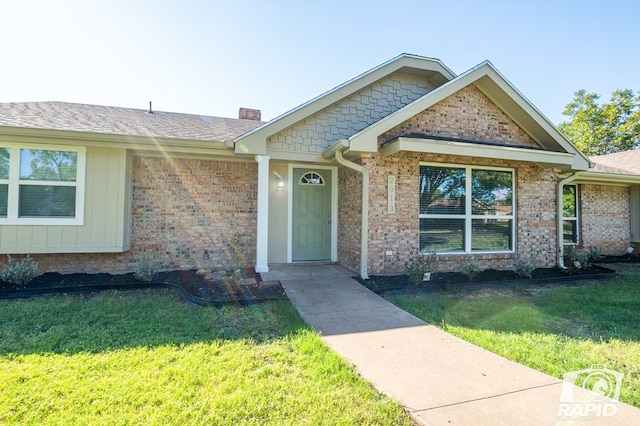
[[48, 221]]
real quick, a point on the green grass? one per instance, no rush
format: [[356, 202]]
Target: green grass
[[147, 358], [555, 331]]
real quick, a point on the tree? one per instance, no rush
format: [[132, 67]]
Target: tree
[[598, 129]]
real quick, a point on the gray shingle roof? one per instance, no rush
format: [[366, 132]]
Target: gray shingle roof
[[627, 162], [121, 121]]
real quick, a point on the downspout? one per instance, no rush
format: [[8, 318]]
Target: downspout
[[559, 216], [364, 229]]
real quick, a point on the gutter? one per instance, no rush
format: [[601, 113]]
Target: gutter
[[336, 150], [559, 215]]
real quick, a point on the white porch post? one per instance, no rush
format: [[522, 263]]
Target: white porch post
[[262, 225]]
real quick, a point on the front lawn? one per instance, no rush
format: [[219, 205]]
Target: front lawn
[[555, 329], [145, 357]]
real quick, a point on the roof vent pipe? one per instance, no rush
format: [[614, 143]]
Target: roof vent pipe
[[150, 109]]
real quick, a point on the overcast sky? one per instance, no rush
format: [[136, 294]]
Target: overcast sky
[[212, 57]]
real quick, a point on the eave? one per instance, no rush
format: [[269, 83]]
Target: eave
[[595, 178], [107, 140], [543, 158]]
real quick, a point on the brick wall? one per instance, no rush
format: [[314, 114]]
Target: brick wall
[[351, 115], [399, 232], [349, 217], [468, 114], [604, 215], [180, 208]]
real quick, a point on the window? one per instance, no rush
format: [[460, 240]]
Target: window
[[466, 209], [41, 186], [570, 214], [311, 178]]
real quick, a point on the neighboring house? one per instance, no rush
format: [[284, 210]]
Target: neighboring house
[[406, 156]]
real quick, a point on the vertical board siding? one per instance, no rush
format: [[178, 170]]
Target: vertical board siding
[[103, 229]]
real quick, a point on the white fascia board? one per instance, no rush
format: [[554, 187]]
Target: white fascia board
[[108, 140], [607, 178], [432, 146], [334, 95], [531, 110]]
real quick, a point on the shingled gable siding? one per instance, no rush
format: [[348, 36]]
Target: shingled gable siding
[[470, 115], [180, 208], [604, 218], [341, 120]]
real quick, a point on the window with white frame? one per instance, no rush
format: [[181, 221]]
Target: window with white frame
[[41, 186], [466, 209], [570, 215]]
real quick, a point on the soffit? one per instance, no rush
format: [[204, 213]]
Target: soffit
[[543, 158]]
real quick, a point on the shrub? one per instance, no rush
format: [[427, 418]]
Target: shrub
[[524, 268], [576, 258], [19, 273], [470, 268], [146, 269], [595, 253], [419, 264]]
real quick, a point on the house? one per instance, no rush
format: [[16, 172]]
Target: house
[[406, 156]]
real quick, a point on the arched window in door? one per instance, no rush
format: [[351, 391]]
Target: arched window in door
[[311, 178]]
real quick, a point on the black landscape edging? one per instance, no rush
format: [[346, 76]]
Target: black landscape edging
[[479, 285], [193, 299]]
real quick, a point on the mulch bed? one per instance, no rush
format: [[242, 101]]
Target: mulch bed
[[193, 287], [490, 278]]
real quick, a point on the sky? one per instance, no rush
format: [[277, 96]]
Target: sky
[[213, 57]]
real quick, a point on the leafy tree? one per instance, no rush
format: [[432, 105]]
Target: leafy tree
[[598, 129]]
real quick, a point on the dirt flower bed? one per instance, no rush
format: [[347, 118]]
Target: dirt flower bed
[[452, 281], [194, 287]]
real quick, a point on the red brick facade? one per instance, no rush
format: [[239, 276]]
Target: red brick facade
[[180, 208], [349, 217], [604, 218], [399, 232], [468, 114]]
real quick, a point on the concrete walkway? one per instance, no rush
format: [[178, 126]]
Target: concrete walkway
[[440, 379]]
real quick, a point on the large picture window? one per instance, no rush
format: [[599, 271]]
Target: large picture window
[[466, 209], [41, 186]]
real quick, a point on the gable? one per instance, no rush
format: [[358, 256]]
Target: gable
[[350, 115], [556, 152], [465, 115], [421, 68]]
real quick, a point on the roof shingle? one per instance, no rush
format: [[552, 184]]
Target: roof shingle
[[121, 121], [627, 162]]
